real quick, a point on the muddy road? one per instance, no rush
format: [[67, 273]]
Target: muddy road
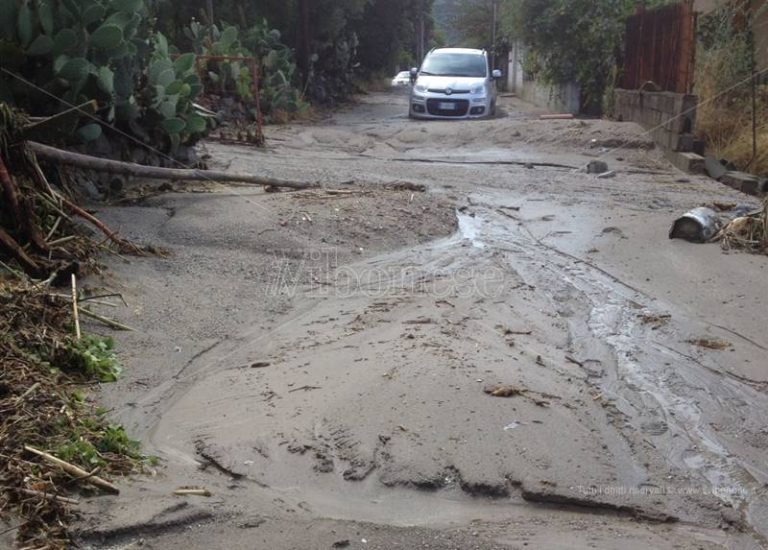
[[321, 361]]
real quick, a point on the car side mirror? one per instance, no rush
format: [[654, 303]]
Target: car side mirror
[[414, 72], [496, 73]]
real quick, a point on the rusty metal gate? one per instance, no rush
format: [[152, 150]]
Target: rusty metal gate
[[660, 49]]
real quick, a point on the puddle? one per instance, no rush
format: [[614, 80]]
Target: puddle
[[470, 229]]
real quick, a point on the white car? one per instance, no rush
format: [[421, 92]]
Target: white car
[[403, 78], [454, 83]]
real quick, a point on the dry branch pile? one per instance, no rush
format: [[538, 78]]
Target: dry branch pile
[[54, 444], [43, 407], [747, 232], [37, 230]]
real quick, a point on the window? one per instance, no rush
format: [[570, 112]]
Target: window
[[455, 64]]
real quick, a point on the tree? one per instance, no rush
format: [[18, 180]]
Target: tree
[[571, 40], [389, 34]]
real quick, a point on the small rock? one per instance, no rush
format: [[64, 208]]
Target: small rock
[[342, 543], [597, 167], [731, 516], [503, 391]]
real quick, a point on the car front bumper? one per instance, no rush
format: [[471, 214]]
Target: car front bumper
[[442, 106]]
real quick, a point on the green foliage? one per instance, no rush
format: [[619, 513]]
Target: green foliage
[[337, 41], [570, 41], [64, 48], [388, 33], [278, 81], [91, 438], [78, 50], [94, 356], [167, 100], [466, 23], [724, 54], [114, 440], [80, 451], [566, 40], [277, 77]]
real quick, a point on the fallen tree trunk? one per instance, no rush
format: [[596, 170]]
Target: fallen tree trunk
[[138, 170]]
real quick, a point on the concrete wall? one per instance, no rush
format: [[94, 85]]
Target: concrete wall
[[666, 115], [560, 99]]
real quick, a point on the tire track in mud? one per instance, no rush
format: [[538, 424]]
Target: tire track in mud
[[668, 397]]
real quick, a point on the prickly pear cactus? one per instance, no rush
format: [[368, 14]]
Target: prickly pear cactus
[[60, 53]]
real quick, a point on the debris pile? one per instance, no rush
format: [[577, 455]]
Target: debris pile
[[747, 232], [54, 444], [735, 227], [37, 228]]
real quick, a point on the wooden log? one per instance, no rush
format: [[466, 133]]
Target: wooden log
[[138, 170], [50, 496], [559, 116], [109, 322], [74, 471]]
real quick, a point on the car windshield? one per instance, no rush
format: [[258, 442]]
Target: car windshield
[[455, 64], [403, 74]]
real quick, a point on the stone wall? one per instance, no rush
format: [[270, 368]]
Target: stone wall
[[669, 117], [559, 99]]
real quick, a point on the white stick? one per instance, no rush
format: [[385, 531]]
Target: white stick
[[74, 307]]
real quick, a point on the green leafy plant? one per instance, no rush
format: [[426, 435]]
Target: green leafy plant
[[278, 89], [167, 100], [94, 356], [73, 51], [91, 439], [80, 451], [115, 440], [571, 40]]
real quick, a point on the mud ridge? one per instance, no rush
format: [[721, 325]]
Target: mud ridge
[[211, 460], [158, 525], [452, 477], [595, 506]]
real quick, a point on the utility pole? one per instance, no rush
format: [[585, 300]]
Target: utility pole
[[305, 41], [421, 46], [494, 24], [209, 5]]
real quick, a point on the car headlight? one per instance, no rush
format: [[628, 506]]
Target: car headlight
[[478, 90], [420, 88]]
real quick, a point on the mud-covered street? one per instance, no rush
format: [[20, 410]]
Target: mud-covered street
[[324, 361]]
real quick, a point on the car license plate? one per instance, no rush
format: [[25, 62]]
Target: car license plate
[[446, 106]]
